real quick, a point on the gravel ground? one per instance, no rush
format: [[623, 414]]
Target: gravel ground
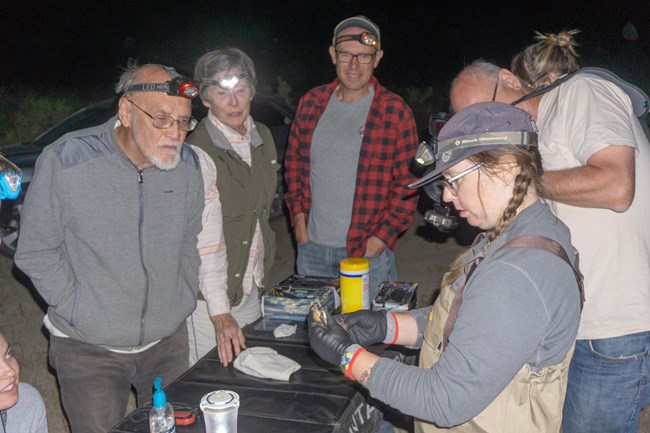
[[421, 257]]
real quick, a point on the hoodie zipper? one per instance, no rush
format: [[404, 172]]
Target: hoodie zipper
[[144, 268]]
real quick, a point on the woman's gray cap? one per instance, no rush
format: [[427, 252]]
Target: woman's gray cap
[[358, 21], [477, 128]]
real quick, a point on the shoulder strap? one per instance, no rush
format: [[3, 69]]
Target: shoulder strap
[[524, 241], [640, 100], [549, 245]]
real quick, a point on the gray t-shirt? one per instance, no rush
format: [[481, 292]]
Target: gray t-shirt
[[520, 306], [334, 158], [28, 415]]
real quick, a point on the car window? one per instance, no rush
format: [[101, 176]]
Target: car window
[[92, 115]]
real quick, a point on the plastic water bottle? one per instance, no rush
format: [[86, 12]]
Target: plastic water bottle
[[161, 415]]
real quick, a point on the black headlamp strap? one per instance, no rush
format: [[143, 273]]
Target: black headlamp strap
[[365, 38], [177, 86], [227, 81], [149, 87]]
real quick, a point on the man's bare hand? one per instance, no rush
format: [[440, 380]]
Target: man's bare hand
[[300, 229], [230, 338], [374, 247]]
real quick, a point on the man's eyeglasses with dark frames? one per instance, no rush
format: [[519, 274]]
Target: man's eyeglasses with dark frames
[[450, 183], [165, 121], [346, 57]]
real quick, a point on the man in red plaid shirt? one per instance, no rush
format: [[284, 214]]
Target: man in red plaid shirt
[[347, 163]]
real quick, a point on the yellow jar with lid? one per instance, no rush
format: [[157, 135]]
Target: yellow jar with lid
[[355, 284]]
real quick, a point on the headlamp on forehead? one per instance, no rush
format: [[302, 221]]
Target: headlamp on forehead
[[436, 154], [177, 86], [365, 38], [227, 82], [11, 178]]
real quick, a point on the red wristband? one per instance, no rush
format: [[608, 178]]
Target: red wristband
[[396, 336], [348, 368]]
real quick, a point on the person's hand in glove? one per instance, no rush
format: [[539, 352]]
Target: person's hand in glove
[[364, 327], [330, 342]]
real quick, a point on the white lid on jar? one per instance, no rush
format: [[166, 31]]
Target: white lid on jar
[[221, 400]]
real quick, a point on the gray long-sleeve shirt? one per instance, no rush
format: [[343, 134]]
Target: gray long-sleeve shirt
[[519, 306], [112, 249]]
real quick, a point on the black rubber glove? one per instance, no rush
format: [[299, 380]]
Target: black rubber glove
[[329, 343], [364, 326]]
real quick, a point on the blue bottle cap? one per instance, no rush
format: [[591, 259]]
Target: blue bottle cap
[[159, 397]]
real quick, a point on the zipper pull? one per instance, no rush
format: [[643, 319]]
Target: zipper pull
[[140, 176]]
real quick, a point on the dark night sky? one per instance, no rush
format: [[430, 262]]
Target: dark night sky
[[75, 44]]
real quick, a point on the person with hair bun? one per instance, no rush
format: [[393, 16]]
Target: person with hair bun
[[551, 57], [596, 158], [496, 345]]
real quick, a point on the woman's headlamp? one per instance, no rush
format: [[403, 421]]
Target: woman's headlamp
[[177, 86], [227, 82], [11, 178], [366, 38], [426, 152]]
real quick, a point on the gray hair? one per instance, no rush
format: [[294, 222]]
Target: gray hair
[[132, 75], [216, 61], [479, 67]]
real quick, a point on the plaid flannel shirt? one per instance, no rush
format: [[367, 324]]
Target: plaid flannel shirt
[[383, 204]]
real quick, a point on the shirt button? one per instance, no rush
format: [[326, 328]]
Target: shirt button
[[237, 275], [245, 242]]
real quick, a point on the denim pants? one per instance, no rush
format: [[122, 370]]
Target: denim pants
[[323, 261], [608, 385], [95, 383]]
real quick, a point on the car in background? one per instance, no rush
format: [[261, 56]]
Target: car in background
[[272, 111]]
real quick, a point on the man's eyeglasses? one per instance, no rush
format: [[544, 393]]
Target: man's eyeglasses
[[165, 121], [450, 183], [346, 57]]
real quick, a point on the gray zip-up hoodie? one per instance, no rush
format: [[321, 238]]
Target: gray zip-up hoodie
[[112, 249]]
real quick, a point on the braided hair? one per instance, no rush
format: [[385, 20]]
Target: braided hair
[[529, 161]]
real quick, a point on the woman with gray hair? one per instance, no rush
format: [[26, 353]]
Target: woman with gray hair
[[239, 165]]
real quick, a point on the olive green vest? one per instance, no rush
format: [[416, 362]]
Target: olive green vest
[[246, 193]]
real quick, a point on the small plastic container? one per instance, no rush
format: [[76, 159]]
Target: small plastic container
[[355, 284], [220, 410]]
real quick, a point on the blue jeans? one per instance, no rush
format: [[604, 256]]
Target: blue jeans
[[608, 385], [323, 261]]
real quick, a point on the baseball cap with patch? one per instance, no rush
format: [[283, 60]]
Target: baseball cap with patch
[[357, 21], [477, 128]]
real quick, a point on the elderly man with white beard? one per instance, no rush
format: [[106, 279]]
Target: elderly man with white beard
[[109, 238]]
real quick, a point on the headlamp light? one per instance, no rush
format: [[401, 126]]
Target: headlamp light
[[365, 38], [177, 86], [227, 82], [11, 178]]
